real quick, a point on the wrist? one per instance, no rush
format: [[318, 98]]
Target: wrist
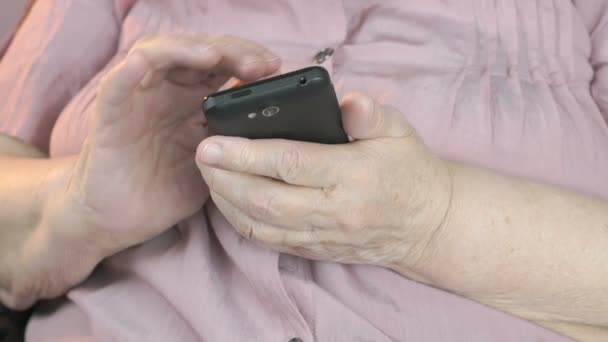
[[57, 251], [466, 252], [418, 259], [66, 216], [442, 264]]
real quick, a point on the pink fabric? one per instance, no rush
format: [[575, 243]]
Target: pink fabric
[[514, 85], [10, 13]]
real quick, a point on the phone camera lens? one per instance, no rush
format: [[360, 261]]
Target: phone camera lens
[[270, 111], [303, 82]]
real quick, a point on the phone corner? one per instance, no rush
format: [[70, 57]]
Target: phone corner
[[207, 104]]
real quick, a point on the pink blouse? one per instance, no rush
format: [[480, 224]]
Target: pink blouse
[[518, 86]]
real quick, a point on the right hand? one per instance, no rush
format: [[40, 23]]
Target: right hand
[[136, 175]]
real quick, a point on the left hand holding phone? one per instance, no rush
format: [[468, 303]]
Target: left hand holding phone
[[378, 200]]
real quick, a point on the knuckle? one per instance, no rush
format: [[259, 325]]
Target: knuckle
[[143, 47], [248, 228], [103, 81], [145, 42], [156, 48], [292, 163], [244, 159], [263, 205], [244, 228]]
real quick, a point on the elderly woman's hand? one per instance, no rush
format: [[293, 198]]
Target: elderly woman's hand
[[377, 200], [136, 175]]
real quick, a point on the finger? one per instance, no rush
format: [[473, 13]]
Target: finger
[[245, 59], [163, 53], [192, 78], [119, 84], [235, 82], [282, 240], [270, 201], [187, 77], [294, 162], [364, 119], [231, 56]]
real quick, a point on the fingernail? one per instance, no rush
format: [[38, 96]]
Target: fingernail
[[235, 83], [211, 154]]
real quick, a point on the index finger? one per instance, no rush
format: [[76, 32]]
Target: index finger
[[231, 56], [294, 162], [151, 58]]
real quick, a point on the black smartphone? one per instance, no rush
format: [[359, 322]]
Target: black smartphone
[[299, 105]]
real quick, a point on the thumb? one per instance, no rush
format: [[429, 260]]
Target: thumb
[[363, 118]]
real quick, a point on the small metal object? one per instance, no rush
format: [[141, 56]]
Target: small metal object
[[323, 55], [270, 111], [252, 115]]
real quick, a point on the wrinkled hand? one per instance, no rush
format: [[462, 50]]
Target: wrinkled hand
[[136, 175], [378, 200]]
